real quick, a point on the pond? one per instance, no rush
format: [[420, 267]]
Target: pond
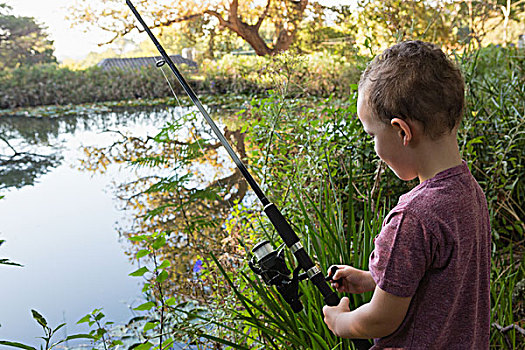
[[59, 222]]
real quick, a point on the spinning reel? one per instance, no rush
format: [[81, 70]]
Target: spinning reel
[[271, 266]]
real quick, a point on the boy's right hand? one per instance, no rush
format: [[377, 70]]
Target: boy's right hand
[[351, 280]]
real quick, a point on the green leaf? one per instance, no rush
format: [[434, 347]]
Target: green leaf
[[58, 327], [223, 341], [99, 316], [139, 272], [171, 301], [84, 319], [145, 346], [16, 345], [162, 276], [145, 307], [164, 265], [138, 238], [149, 326], [71, 337], [142, 253], [39, 318], [79, 336], [159, 243]]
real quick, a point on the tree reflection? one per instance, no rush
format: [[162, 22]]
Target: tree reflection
[[32, 146], [23, 168], [187, 190]]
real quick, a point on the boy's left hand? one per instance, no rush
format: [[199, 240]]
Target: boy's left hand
[[332, 312]]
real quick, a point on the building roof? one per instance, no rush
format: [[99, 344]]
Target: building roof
[[137, 62]]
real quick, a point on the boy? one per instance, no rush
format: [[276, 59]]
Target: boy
[[430, 268]]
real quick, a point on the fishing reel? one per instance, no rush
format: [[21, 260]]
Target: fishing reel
[[271, 266]]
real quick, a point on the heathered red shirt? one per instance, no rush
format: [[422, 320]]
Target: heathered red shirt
[[435, 247]]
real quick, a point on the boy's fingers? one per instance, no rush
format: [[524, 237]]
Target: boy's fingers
[[335, 282], [341, 272], [332, 270]]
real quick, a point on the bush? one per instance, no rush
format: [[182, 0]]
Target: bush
[[50, 85], [325, 74], [492, 137]]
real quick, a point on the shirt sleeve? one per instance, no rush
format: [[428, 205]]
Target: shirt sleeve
[[400, 257]]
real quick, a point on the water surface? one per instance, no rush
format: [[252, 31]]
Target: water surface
[[59, 222]]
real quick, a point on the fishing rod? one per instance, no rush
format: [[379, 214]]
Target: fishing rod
[[266, 262]]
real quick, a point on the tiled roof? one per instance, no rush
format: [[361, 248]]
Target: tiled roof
[[137, 62]]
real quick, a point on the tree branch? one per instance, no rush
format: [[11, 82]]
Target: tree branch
[[234, 9], [263, 15], [166, 23], [9, 145], [221, 19]]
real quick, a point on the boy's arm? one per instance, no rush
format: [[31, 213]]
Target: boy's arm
[[376, 319]]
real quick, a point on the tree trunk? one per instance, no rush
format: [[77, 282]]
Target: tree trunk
[[250, 32]]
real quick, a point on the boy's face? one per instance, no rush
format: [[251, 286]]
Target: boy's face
[[388, 141]]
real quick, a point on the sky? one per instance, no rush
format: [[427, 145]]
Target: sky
[[70, 42]]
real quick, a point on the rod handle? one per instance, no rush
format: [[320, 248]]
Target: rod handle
[[292, 241]]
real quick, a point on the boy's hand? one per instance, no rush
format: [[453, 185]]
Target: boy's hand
[[332, 312], [351, 280]]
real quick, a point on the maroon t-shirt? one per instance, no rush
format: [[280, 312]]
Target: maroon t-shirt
[[434, 246]]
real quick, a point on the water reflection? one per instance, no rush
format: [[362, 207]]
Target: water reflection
[[30, 147], [60, 223], [190, 191]]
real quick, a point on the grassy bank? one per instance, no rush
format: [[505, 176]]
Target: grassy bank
[[50, 85], [317, 164]]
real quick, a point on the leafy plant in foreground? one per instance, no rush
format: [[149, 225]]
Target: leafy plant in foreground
[[48, 335], [101, 333]]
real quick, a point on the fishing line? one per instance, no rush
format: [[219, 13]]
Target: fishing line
[[194, 136], [265, 260], [160, 65]]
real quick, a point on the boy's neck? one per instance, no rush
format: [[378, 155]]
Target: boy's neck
[[435, 156]]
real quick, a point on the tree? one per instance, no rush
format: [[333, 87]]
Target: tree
[[244, 18], [22, 41], [447, 23]]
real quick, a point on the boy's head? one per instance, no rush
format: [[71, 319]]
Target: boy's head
[[414, 80], [411, 101]]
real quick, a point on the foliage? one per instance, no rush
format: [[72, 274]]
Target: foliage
[[48, 335], [492, 140], [101, 333], [493, 136], [325, 73], [374, 25], [245, 18], [298, 153], [51, 85], [23, 41], [4, 261], [309, 26], [58, 87], [321, 126]]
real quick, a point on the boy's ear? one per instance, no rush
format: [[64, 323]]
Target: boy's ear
[[403, 129]]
